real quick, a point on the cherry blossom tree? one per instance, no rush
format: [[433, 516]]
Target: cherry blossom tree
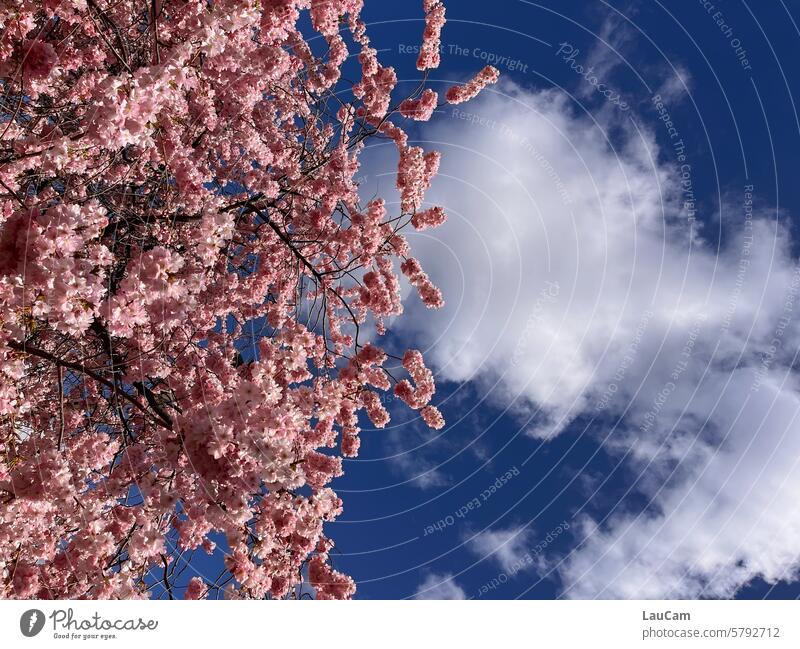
[[186, 271]]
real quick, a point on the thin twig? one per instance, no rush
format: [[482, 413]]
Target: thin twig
[[60, 407]]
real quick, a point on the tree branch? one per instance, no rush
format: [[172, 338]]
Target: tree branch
[[60, 446]]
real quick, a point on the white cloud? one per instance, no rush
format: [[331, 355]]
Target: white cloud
[[731, 517], [509, 548], [677, 85], [436, 586], [575, 286]]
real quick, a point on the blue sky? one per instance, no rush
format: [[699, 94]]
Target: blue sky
[[558, 477]]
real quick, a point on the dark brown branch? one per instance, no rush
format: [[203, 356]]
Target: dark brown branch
[[154, 17], [60, 445], [167, 585], [13, 193], [151, 399]]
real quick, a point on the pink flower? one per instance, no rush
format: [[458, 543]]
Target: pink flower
[[376, 85], [432, 417], [321, 469], [375, 410], [196, 589], [350, 445], [420, 395], [460, 94], [39, 59], [431, 218], [428, 293], [325, 16], [25, 581], [429, 57], [420, 109], [328, 583], [415, 171]]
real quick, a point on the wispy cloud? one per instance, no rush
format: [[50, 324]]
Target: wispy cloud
[[440, 586], [504, 546]]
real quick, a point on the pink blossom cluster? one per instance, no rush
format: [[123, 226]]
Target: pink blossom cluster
[[420, 109], [39, 59], [430, 295], [432, 417], [429, 57], [419, 395], [432, 217], [415, 171], [185, 269], [460, 94]]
